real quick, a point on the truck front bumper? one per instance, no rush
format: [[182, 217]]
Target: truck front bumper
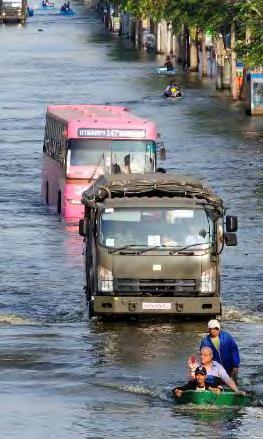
[[170, 306]]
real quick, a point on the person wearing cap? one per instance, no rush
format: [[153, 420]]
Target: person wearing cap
[[224, 347], [215, 371], [199, 383]]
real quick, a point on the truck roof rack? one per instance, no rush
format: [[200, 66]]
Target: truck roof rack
[[149, 185]]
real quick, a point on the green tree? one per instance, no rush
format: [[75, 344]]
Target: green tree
[[250, 42], [217, 16]]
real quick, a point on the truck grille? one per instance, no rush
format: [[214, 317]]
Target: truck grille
[[155, 287]]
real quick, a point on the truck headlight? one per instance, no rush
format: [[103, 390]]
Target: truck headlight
[[105, 279], [208, 281]]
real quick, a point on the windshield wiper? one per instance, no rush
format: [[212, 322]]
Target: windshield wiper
[[127, 246], [152, 248], [187, 247], [148, 249]]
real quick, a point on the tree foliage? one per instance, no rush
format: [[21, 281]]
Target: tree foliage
[[250, 47], [146, 8], [213, 15]]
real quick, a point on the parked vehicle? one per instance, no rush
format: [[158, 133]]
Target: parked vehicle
[[14, 11], [84, 141], [152, 246], [254, 93]]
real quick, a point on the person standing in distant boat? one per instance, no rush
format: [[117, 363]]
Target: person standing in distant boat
[[168, 64], [224, 348]]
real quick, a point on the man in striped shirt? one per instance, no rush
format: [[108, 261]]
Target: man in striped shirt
[[214, 370]]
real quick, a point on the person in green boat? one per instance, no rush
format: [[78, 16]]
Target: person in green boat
[[224, 347], [214, 370], [199, 384]]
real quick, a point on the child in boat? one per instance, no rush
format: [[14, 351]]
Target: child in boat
[[172, 90], [199, 384]]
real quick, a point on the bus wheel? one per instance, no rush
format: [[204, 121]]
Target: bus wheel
[[59, 203], [47, 194]]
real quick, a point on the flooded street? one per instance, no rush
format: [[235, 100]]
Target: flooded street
[[61, 375]]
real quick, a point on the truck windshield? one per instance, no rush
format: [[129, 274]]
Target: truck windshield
[[114, 156], [148, 227]]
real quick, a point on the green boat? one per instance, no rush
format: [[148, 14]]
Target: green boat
[[225, 398]]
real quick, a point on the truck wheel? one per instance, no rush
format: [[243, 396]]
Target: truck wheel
[[90, 309], [88, 291], [47, 194], [59, 203]]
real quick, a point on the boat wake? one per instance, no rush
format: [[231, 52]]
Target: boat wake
[[165, 395], [235, 315], [13, 319], [64, 315], [137, 389]]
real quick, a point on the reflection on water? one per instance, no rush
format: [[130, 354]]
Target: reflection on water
[[61, 375]]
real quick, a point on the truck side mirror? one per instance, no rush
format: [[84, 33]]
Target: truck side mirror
[[230, 239], [83, 227], [162, 151], [231, 223]]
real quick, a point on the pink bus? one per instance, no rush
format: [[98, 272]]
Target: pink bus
[[84, 141]]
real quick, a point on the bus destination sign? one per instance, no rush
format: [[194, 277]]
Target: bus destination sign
[[111, 133]]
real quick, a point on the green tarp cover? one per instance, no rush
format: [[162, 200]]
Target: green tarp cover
[[149, 184]]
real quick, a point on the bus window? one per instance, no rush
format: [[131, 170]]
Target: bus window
[[133, 156], [88, 152]]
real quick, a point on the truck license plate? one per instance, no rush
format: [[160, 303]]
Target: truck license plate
[[149, 305]]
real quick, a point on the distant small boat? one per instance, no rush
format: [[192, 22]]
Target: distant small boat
[[171, 98], [165, 71], [30, 12], [226, 398], [47, 5], [67, 11]]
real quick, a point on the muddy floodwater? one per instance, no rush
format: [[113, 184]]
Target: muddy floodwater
[[63, 376]]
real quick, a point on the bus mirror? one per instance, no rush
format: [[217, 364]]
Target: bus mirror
[[83, 227], [162, 151], [231, 223], [230, 239], [44, 149]]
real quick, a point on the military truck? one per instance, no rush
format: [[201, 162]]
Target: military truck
[[14, 11], [152, 244]]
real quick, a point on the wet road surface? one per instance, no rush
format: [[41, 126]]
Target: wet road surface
[[61, 375]]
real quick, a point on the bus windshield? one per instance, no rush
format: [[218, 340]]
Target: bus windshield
[[112, 156], [148, 227]]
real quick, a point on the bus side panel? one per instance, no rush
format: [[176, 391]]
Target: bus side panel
[[52, 186], [73, 190]]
